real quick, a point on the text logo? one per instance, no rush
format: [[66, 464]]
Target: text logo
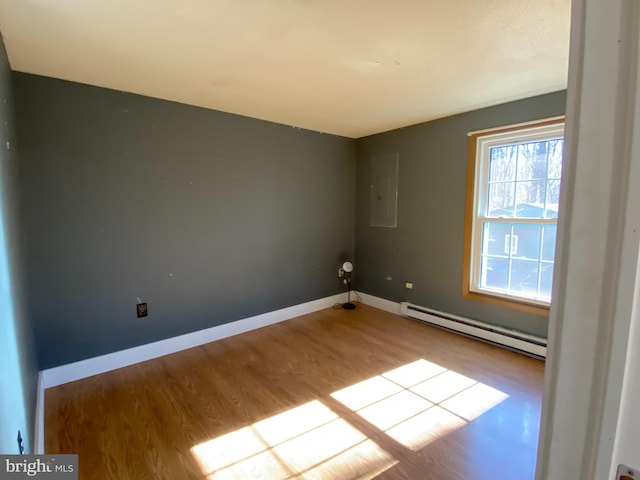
[[51, 467]]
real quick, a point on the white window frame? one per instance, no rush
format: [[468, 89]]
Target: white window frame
[[525, 133]]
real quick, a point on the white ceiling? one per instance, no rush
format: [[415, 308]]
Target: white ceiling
[[348, 67]]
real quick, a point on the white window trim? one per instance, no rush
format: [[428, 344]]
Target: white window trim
[[484, 142]]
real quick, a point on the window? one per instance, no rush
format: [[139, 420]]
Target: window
[[512, 211]]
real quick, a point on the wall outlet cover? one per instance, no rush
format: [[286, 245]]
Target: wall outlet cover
[[627, 473], [141, 310]]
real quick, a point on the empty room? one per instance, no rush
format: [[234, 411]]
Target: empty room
[[328, 240]]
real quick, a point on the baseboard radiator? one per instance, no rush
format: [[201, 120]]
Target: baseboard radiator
[[512, 339]]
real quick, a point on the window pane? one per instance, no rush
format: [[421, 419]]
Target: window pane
[[502, 163], [516, 256], [530, 197], [524, 277], [532, 160], [553, 198], [549, 242], [546, 281], [496, 239], [494, 273], [517, 259], [527, 241], [555, 158], [501, 199]]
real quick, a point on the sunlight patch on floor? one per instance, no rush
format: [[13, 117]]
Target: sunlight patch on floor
[[309, 441], [391, 411], [425, 428], [474, 401], [419, 402], [415, 372], [365, 393], [415, 405]]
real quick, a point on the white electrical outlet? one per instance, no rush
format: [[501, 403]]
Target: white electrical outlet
[[408, 286], [340, 273], [627, 473]]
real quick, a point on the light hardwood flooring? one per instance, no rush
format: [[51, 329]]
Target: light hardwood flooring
[[331, 395]]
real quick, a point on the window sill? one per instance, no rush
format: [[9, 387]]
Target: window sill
[[503, 302]]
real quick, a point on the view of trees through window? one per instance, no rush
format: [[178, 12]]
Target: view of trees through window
[[525, 176], [519, 218]]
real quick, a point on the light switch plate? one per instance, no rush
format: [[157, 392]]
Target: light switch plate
[[627, 473]]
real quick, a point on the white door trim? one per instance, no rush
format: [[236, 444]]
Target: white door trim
[[597, 254]]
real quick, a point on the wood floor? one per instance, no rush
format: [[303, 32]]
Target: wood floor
[[332, 395]]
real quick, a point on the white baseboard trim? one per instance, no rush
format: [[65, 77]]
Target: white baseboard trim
[[38, 428], [52, 377], [381, 303]]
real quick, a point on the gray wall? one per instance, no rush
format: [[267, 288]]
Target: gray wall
[[207, 216], [18, 372], [212, 217], [427, 246]]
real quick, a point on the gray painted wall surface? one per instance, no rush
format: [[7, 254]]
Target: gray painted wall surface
[[427, 246], [18, 370], [207, 216]]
